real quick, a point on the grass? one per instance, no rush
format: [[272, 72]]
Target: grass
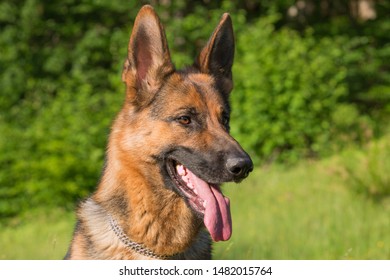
[[304, 212], [41, 235]]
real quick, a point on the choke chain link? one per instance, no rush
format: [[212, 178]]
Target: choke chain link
[[132, 245]]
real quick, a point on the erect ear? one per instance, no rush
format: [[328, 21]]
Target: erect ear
[[148, 61], [216, 58]]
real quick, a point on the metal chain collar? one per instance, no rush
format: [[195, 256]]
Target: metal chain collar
[[132, 245]]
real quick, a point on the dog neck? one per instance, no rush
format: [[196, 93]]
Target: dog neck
[[133, 246], [148, 212]]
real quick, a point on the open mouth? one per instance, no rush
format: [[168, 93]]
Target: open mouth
[[205, 199]]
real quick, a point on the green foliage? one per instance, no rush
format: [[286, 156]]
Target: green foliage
[[296, 94], [367, 172], [286, 90], [58, 158], [60, 89]]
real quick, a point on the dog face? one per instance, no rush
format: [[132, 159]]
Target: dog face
[[180, 119]]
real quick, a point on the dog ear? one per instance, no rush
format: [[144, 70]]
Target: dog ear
[[148, 61], [216, 58]]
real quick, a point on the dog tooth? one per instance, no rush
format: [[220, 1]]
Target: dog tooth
[[181, 170]]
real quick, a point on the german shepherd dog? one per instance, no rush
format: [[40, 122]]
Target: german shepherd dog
[[169, 151]]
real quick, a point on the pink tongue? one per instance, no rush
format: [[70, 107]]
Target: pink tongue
[[217, 218]]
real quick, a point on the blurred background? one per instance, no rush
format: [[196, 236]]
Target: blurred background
[[311, 104]]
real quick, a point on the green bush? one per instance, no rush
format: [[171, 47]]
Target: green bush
[[367, 172], [287, 88], [295, 95], [60, 88], [58, 159]]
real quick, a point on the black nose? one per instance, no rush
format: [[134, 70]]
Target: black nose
[[239, 167]]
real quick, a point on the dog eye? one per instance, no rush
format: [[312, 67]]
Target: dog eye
[[184, 120]]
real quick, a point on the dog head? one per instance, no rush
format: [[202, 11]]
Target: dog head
[[178, 120]]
